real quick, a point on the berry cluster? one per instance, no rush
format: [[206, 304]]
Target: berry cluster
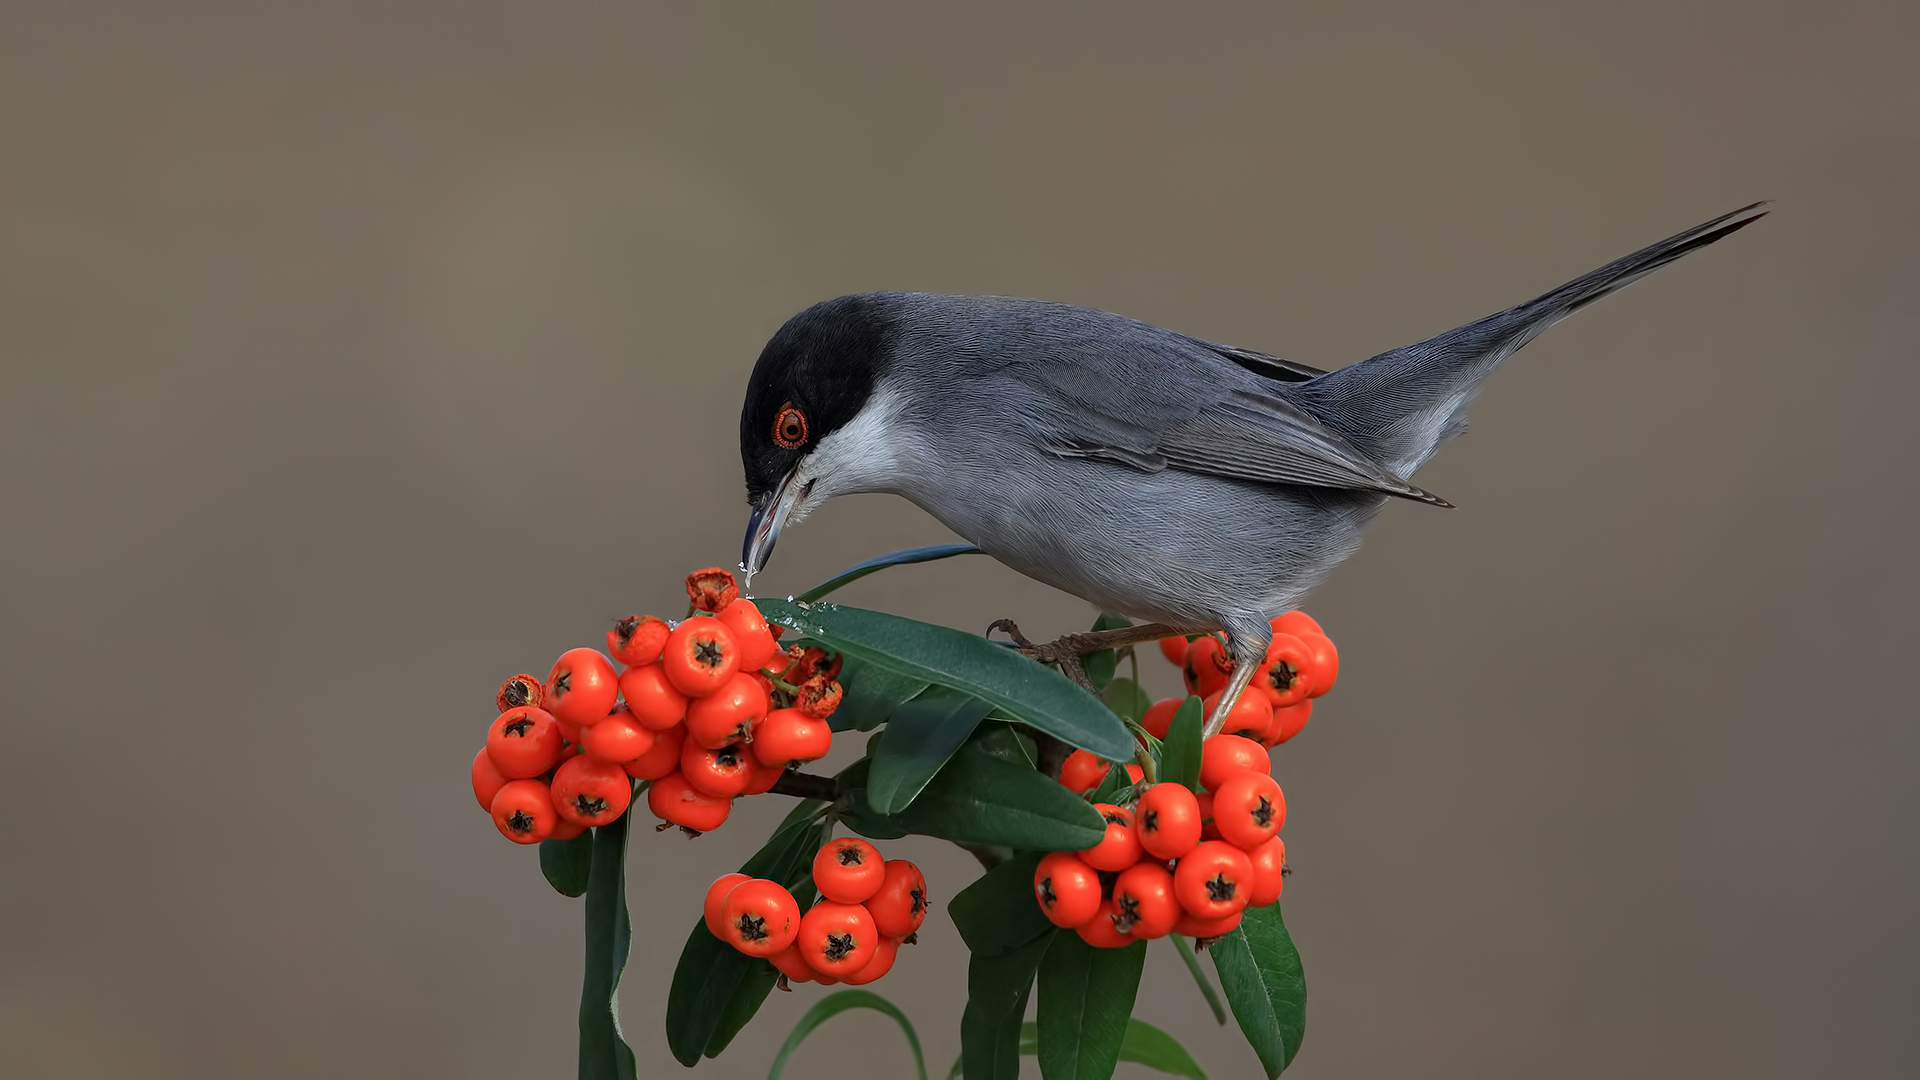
[[704, 710], [868, 907], [1191, 861], [1301, 664]]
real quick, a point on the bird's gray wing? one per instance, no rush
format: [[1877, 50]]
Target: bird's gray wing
[[1161, 405]]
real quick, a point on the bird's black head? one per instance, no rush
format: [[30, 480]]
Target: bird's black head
[[813, 377]]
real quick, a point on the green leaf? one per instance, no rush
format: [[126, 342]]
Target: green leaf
[[1144, 1044], [1185, 949], [981, 799], [997, 913], [869, 695], [568, 864], [881, 562], [1265, 985], [604, 1054], [1125, 697], [997, 990], [852, 809], [919, 739], [833, 1005], [716, 990], [1021, 688], [1099, 665], [1180, 752], [999, 738], [1086, 996]]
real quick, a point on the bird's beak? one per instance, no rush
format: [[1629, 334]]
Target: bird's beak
[[763, 528]]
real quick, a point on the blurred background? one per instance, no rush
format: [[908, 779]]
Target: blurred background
[[356, 356]]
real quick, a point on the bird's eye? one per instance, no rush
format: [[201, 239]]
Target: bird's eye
[[790, 427]]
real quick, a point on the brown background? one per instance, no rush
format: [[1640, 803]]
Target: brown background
[[355, 358]]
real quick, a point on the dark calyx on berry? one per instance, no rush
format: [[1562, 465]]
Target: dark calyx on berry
[[752, 927], [586, 806], [521, 821], [1220, 889], [518, 727], [839, 945]]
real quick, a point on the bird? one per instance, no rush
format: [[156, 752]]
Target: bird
[[1202, 486]]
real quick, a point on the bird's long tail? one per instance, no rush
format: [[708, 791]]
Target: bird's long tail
[[1401, 405]]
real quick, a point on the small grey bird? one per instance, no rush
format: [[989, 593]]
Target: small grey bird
[[1160, 476]]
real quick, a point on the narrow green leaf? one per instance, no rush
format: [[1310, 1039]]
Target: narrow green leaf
[[1200, 978], [919, 739], [604, 1053], [997, 991], [1000, 738], [1180, 751], [1086, 996], [1144, 1044], [568, 864], [852, 809], [902, 557], [833, 1005], [869, 695], [716, 990], [1261, 974], [1099, 665], [1021, 688], [981, 799], [997, 913], [1125, 697]]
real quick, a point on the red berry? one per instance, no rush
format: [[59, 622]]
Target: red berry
[[1288, 671], [750, 633], [1269, 872], [837, 939], [1222, 756], [662, 758], [788, 736], [1159, 716], [1250, 717], [617, 739], [1143, 903], [1214, 880], [564, 829], [487, 780], [1208, 666], [1287, 722], [1082, 772], [1248, 809], [793, 965], [1193, 926], [900, 906], [674, 800], [590, 792], [759, 918], [517, 691], [1174, 649], [1326, 661], [723, 773], [818, 697], [582, 687], [651, 698], [1119, 848], [882, 962], [524, 742], [1103, 930], [848, 870], [523, 812], [711, 589], [762, 777], [727, 715], [716, 896], [1167, 821], [1297, 623], [700, 656], [1068, 890], [637, 639]]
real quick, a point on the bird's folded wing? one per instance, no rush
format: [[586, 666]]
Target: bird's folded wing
[[1237, 434]]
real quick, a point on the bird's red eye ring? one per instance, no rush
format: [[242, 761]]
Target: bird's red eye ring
[[790, 427]]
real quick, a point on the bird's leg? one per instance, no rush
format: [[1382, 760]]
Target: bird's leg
[[1243, 673], [1019, 640]]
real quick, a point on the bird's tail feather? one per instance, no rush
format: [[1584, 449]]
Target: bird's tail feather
[[1401, 405]]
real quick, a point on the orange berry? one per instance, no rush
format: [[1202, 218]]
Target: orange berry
[[1221, 756], [1068, 890], [617, 739], [651, 698], [590, 792], [1214, 880], [1288, 671], [722, 773], [1296, 623], [1207, 667], [729, 714], [750, 633], [1250, 717], [837, 939], [1082, 772], [1248, 809], [818, 697], [523, 812], [793, 965], [660, 759], [677, 802], [1326, 661], [700, 656], [1191, 925], [487, 780], [882, 962], [848, 870], [900, 906], [716, 896], [524, 742], [582, 687], [1143, 903], [1103, 930], [711, 589], [1120, 847], [1174, 649], [1269, 872], [637, 639], [1167, 821], [1158, 718], [789, 736], [759, 918], [1287, 722]]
